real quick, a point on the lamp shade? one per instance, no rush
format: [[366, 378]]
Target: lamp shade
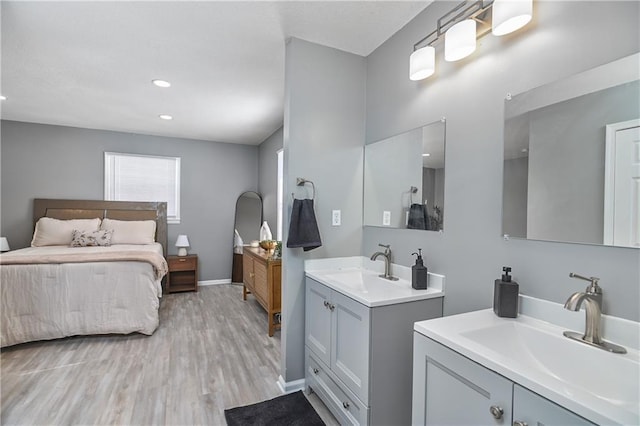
[[182, 243], [460, 40], [508, 16], [4, 244], [422, 63]]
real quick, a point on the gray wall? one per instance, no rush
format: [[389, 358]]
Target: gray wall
[[566, 163], [43, 161], [323, 134], [268, 178], [563, 39], [514, 197]]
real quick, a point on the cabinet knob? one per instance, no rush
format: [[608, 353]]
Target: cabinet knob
[[346, 405], [496, 412], [332, 307], [182, 260], [316, 371], [326, 304], [251, 274], [519, 423]]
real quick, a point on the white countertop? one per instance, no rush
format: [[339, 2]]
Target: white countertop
[[357, 278], [600, 386]]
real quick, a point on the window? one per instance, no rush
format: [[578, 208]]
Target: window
[[280, 200], [133, 177]]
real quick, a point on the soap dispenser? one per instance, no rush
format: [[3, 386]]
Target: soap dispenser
[[505, 296], [419, 273]]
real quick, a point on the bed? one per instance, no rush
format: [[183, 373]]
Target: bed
[[53, 290]]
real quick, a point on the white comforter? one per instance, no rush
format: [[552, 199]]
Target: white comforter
[[48, 301]]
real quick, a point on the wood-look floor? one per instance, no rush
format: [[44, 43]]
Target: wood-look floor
[[211, 352]]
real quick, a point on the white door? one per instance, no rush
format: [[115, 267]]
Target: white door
[[350, 345], [318, 320], [532, 409], [622, 185]]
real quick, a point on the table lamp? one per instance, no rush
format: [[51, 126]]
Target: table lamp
[[4, 244], [182, 243]]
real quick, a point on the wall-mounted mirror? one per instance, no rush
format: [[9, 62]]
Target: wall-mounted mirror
[[247, 224], [572, 159], [404, 180]]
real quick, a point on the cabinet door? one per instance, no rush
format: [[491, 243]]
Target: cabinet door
[[532, 409], [449, 389], [247, 270], [350, 344], [318, 320]]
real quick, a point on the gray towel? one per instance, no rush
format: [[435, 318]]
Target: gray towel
[[303, 229], [418, 217]]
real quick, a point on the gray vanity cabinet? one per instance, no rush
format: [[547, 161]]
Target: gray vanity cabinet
[[449, 388], [358, 358], [338, 333]]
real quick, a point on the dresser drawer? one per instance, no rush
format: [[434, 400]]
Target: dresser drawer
[[260, 281], [183, 263], [345, 406]]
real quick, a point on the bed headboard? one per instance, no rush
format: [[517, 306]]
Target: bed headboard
[[120, 210]]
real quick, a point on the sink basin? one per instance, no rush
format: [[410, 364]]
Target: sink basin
[[596, 384], [614, 376], [358, 278]]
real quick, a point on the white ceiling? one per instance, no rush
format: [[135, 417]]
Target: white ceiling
[[90, 64]]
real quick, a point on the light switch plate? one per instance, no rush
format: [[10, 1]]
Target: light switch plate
[[386, 218], [335, 217]]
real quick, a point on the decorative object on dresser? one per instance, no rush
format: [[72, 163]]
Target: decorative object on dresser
[[182, 243], [4, 244], [183, 273], [262, 278]]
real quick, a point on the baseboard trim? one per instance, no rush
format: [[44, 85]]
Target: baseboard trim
[[290, 387], [214, 282]]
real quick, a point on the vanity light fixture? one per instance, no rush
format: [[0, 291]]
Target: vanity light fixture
[[166, 116], [161, 83], [460, 40], [462, 26]]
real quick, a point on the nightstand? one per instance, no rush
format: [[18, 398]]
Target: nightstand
[[183, 273]]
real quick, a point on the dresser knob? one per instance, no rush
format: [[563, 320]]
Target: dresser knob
[[182, 260], [496, 412]]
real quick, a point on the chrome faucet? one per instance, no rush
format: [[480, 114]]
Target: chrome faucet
[[387, 261], [592, 299]]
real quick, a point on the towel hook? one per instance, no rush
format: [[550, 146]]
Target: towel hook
[[300, 182]]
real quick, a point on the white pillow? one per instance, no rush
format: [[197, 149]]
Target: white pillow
[[131, 231], [56, 232]]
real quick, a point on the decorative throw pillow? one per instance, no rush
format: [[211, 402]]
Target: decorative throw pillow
[[91, 239]]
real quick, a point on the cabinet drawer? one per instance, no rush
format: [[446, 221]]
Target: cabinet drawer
[[247, 270], [260, 281], [182, 263], [348, 409]]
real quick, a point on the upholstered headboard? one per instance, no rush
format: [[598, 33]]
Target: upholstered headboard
[[120, 210]]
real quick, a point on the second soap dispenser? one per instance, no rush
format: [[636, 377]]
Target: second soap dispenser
[[419, 273]]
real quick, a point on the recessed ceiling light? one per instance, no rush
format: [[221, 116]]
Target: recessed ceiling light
[[161, 83], [3, 98], [166, 116], [426, 155]]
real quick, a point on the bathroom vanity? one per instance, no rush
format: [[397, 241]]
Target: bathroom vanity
[[358, 337], [477, 368]]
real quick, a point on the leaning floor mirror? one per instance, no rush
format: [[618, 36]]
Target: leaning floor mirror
[[572, 159], [246, 228], [404, 180]]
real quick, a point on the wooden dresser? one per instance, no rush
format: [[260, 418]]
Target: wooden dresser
[[261, 276]]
